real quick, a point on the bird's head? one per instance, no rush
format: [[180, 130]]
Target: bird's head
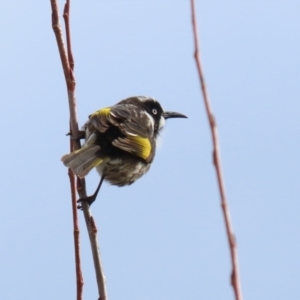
[[157, 114]]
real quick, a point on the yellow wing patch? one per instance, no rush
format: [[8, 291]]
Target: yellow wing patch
[[142, 146], [100, 119], [102, 112], [137, 145]]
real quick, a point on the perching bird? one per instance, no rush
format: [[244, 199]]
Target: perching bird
[[120, 142]]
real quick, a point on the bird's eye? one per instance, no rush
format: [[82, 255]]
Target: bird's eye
[[154, 111]]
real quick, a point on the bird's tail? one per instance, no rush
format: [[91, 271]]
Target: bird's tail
[[83, 160]]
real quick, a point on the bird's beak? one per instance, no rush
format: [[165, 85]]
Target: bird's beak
[[171, 114]]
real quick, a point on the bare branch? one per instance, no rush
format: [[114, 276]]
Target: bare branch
[[235, 279], [79, 279], [68, 67], [66, 16]]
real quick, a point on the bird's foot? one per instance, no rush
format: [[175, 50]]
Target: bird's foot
[[89, 200], [81, 135]]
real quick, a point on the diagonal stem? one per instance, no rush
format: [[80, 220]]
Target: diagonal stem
[[68, 67], [235, 278]]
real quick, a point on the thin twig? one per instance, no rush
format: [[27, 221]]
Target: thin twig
[[71, 87], [68, 67], [235, 278], [59, 38], [66, 16], [79, 279]]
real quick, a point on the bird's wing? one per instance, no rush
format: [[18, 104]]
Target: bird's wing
[[136, 128]]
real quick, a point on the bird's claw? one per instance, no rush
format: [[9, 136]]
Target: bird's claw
[[81, 135], [89, 200]]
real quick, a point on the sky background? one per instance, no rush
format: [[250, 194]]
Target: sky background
[[164, 236]]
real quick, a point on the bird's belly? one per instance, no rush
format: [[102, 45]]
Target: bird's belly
[[122, 172]]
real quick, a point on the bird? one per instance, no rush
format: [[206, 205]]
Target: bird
[[120, 142]]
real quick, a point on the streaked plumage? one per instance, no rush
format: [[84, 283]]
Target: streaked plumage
[[120, 141]]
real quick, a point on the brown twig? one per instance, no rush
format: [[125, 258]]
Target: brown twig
[[68, 36], [235, 278], [79, 279], [68, 67]]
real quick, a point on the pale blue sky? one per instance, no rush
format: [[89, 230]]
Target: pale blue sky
[[163, 237]]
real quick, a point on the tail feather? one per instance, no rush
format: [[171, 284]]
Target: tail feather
[[83, 160], [87, 166]]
